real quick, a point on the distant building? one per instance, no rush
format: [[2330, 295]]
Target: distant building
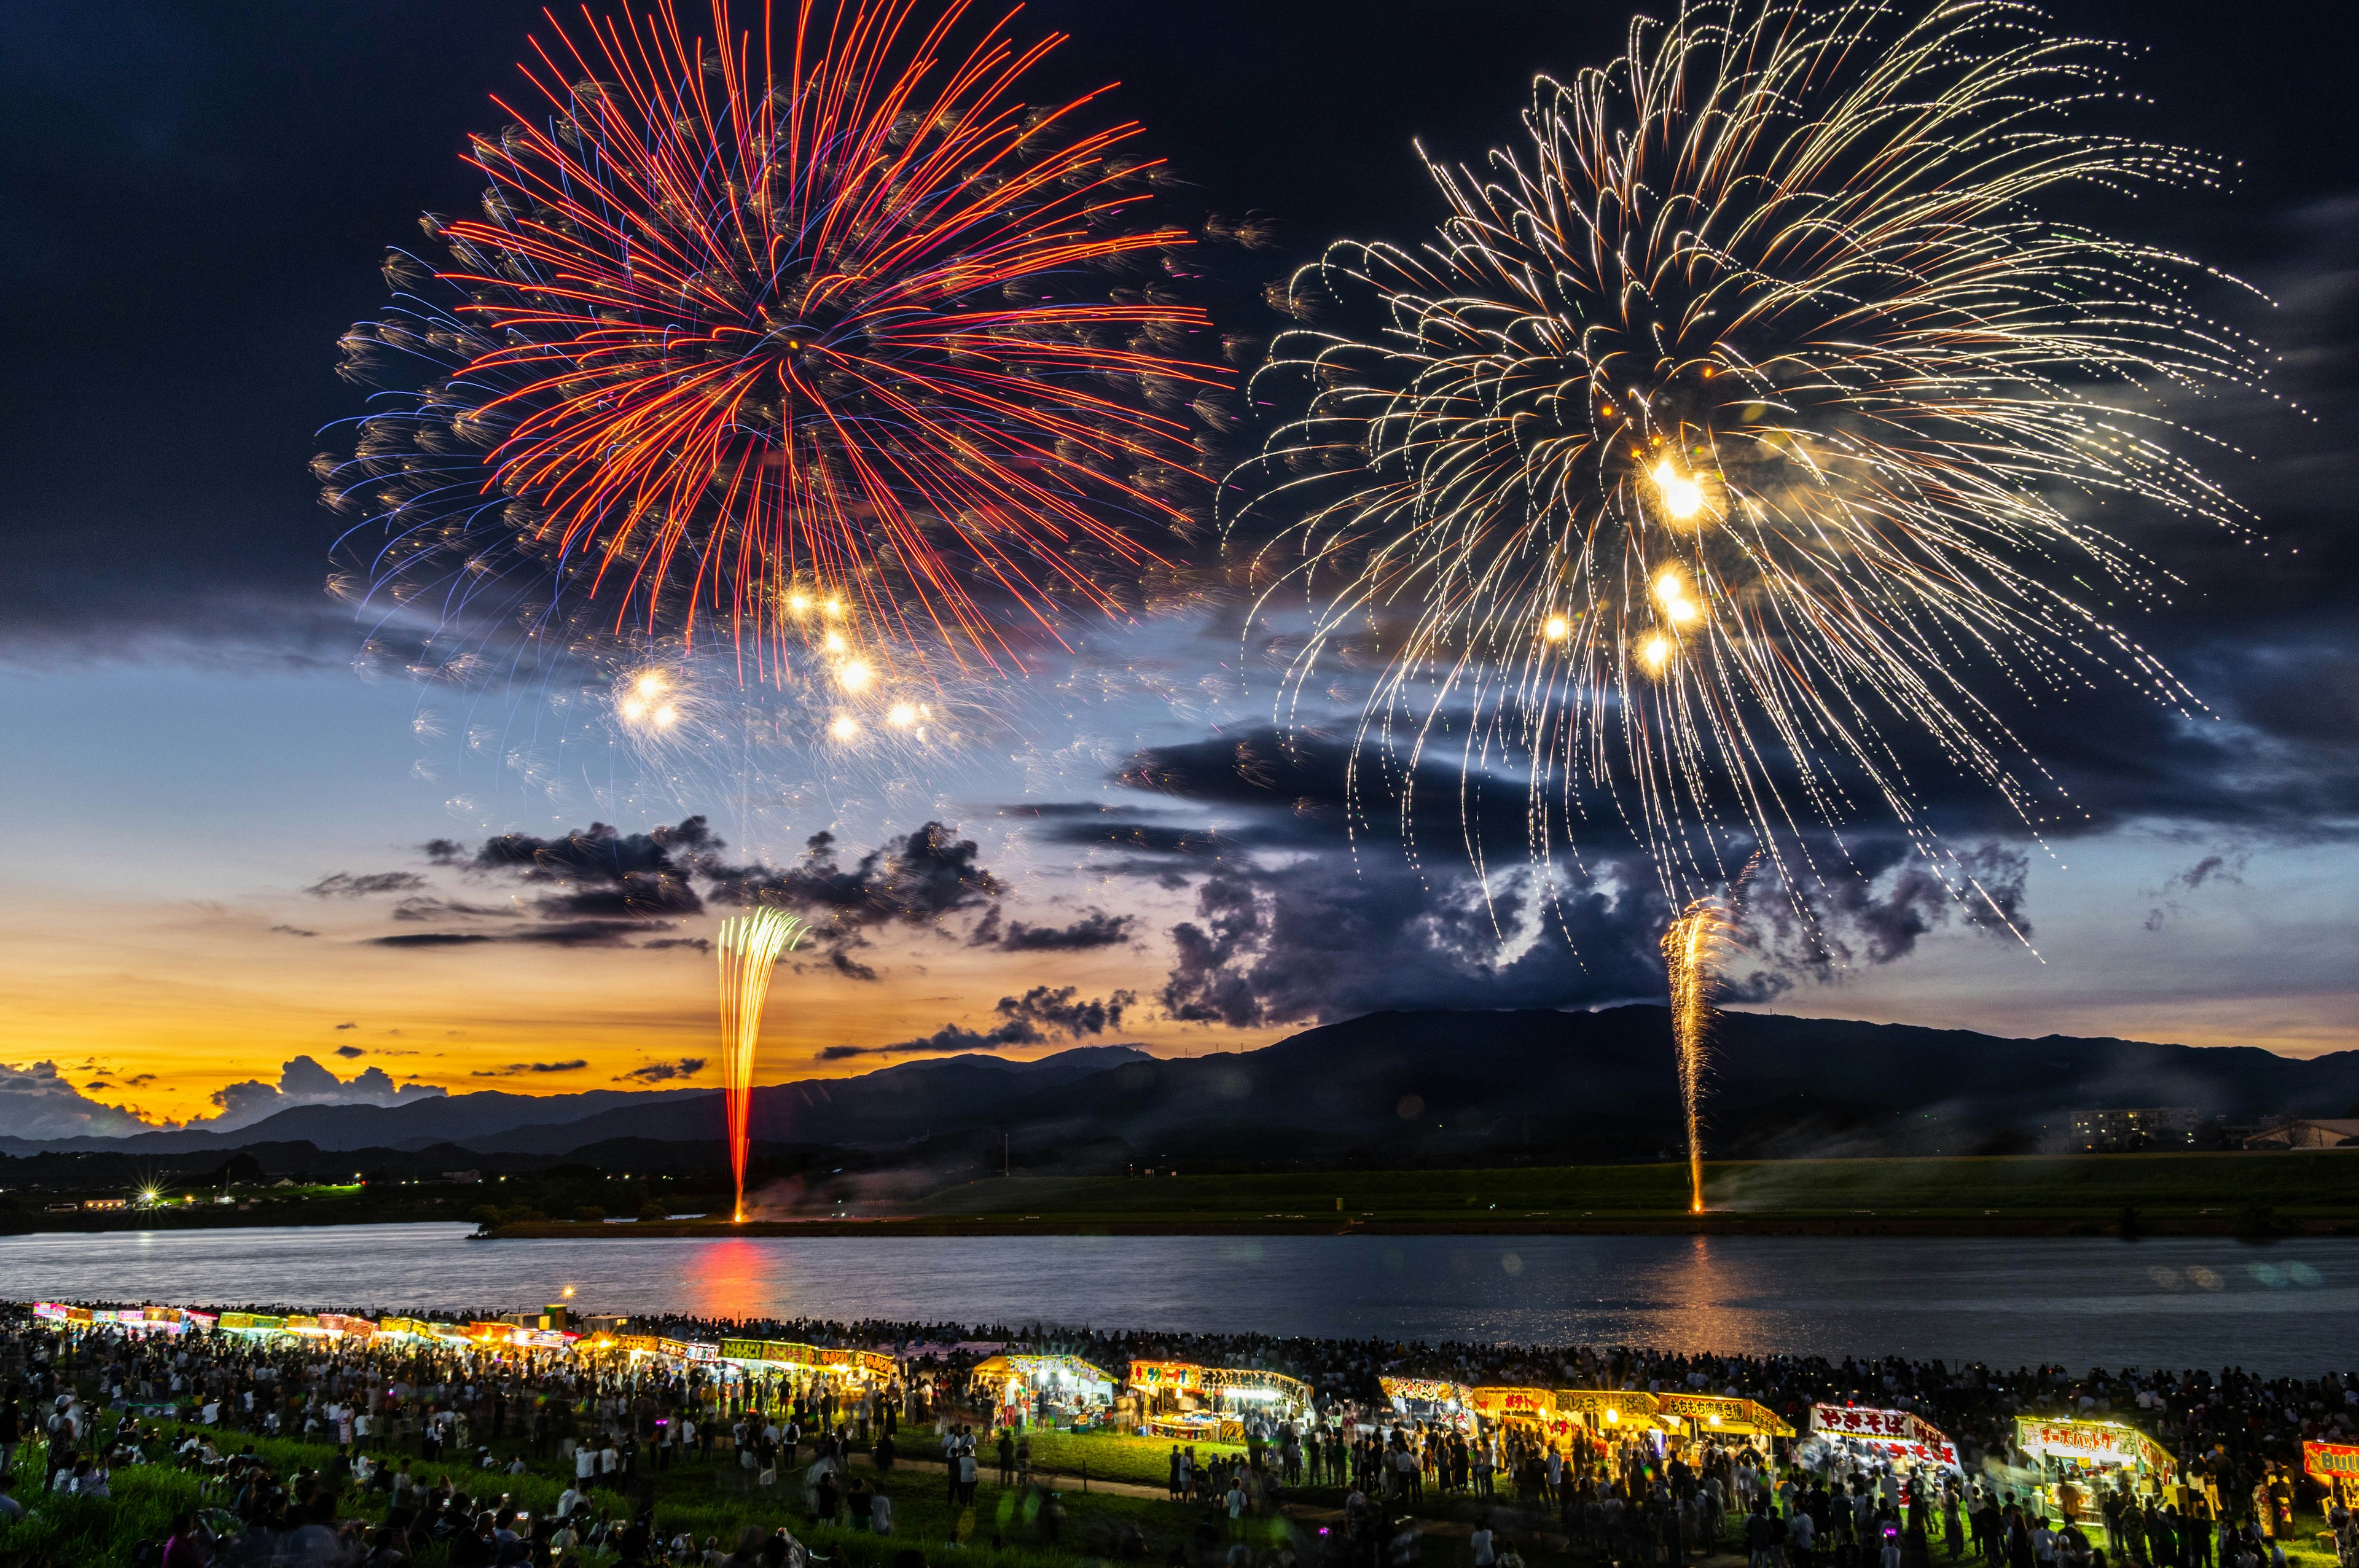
[[2305, 1133], [2151, 1127]]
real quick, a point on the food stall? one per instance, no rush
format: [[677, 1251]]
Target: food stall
[[2078, 1454], [2335, 1466], [1212, 1405], [1724, 1420], [1430, 1401], [1049, 1389], [847, 1369], [1902, 1440]]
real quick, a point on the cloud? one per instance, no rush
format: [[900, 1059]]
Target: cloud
[[292, 931], [919, 879], [348, 1051], [37, 1100], [347, 1026], [1095, 928], [1040, 1014], [2224, 867], [347, 884], [663, 1072], [523, 1069], [1296, 920], [594, 887], [424, 909], [303, 1081]]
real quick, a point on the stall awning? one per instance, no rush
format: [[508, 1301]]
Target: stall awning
[[1071, 1368], [1724, 1413]]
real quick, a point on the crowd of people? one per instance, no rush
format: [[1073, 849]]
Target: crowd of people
[[426, 1441]]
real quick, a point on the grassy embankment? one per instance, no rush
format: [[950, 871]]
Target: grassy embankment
[[2249, 1195], [708, 1498], [1000, 1531]]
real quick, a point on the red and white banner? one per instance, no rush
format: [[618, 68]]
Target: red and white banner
[[1897, 1431]]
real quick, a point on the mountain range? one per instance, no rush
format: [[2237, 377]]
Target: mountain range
[[1402, 1089]]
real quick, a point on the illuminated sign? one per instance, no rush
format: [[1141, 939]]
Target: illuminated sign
[[1895, 1431]]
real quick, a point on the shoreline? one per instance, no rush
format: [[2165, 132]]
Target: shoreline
[[2221, 1225]]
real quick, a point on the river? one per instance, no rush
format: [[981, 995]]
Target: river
[[2173, 1301]]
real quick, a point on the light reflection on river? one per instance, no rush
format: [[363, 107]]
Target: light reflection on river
[[2174, 1302]]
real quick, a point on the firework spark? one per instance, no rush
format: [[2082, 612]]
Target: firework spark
[[1754, 415], [1747, 429], [1689, 946], [812, 330], [748, 948]]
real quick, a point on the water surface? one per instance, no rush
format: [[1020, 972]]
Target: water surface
[[2175, 1301]]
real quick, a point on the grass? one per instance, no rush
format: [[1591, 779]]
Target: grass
[[708, 1498], [1139, 1461]]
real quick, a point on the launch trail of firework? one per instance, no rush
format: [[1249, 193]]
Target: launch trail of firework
[[748, 949], [1690, 944]]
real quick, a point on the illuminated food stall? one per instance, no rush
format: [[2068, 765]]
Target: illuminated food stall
[[2081, 1451], [1719, 1417], [1212, 1405], [1536, 1408], [848, 1370], [1433, 1401], [1025, 1388], [2335, 1466], [1903, 1440]]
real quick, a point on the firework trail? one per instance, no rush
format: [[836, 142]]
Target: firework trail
[[1747, 429], [810, 332], [748, 948], [1690, 944]]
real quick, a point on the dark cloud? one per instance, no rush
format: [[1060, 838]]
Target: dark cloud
[[1038, 1015], [1424, 904], [423, 909], [292, 931], [432, 939], [918, 879], [599, 887], [348, 885], [304, 1081], [1063, 1012], [601, 874], [37, 1100], [348, 1026], [1893, 896], [526, 1069], [2222, 866], [349, 1052], [663, 1072], [1095, 928]]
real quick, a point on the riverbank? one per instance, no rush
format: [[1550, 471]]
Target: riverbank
[[2254, 1196]]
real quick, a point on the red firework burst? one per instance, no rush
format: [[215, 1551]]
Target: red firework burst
[[819, 312]]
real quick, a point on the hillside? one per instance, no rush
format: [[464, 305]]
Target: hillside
[[1389, 1090]]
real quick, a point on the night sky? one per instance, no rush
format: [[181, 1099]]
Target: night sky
[[222, 825]]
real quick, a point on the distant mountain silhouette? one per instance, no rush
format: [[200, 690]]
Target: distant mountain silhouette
[[1426, 1090]]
